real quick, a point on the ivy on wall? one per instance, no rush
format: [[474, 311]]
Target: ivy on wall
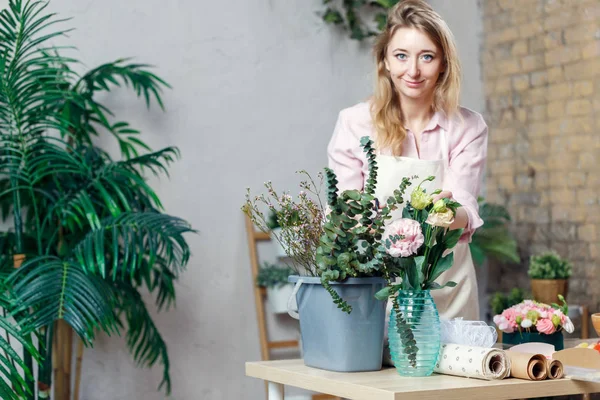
[[350, 15]]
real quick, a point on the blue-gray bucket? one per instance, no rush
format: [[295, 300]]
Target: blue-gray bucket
[[332, 339]]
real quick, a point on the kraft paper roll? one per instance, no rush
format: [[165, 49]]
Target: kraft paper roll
[[555, 369], [527, 366], [472, 362]]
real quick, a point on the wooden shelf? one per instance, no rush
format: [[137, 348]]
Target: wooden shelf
[[283, 344], [260, 295], [261, 236]]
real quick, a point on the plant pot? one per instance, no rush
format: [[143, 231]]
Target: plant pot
[[514, 338], [420, 314], [547, 290], [278, 297], [334, 340], [279, 249]]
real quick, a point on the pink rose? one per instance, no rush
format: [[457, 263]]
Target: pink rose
[[511, 315], [545, 326], [411, 241]]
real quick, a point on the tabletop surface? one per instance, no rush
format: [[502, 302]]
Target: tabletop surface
[[387, 384]]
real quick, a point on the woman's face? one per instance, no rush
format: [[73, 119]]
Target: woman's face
[[414, 63]]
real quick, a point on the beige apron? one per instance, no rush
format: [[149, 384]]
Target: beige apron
[[462, 300]]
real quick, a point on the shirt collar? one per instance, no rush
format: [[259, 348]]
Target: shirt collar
[[438, 119]]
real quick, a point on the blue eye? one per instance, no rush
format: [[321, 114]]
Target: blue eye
[[400, 56], [427, 57]]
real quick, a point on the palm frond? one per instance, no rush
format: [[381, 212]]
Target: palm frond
[[47, 289], [84, 112], [13, 385], [28, 82], [143, 82], [121, 243], [107, 186], [143, 338]]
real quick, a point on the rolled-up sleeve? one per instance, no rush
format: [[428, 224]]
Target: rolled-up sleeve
[[466, 168], [341, 152]]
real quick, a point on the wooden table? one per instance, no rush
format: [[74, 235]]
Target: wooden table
[[388, 385]]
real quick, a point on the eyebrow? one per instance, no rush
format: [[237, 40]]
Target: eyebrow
[[422, 51]]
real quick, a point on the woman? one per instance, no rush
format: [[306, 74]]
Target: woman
[[419, 129]]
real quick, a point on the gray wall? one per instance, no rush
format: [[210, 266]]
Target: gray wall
[[257, 85]]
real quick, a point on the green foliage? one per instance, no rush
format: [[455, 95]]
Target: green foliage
[[494, 239], [501, 301], [549, 265], [92, 230], [271, 275], [272, 222], [407, 336], [354, 220], [350, 15]]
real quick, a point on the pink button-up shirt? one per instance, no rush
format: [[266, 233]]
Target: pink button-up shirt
[[467, 145]]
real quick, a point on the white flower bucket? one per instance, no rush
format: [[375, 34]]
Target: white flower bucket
[[278, 298]]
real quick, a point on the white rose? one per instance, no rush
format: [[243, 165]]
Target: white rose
[[543, 314], [526, 323]]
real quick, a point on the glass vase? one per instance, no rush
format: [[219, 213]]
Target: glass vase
[[420, 322]]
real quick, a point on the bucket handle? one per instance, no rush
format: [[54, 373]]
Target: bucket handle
[[292, 305]]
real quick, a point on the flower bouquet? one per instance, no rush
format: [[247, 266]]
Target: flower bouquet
[[531, 321], [417, 251]]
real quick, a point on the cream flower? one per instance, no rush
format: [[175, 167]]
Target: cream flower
[[443, 219]]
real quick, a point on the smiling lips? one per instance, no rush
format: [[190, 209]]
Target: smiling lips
[[413, 84]]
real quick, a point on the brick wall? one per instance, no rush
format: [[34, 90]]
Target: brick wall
[[541, 71]]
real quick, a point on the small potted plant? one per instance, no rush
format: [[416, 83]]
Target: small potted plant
[[275, 230], [501, 301], [275, 279], [549, 275], [530, 321]]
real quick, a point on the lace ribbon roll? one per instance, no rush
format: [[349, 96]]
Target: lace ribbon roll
[[472, 362]]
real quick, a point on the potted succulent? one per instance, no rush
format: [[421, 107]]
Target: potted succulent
[[531, 321], [274, 279], [549, 275]]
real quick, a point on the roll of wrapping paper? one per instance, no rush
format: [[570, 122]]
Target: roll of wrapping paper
[[527, 366], [555, 369], [472, 362]]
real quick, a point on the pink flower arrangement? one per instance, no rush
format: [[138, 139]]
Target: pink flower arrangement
[[406, 237], [533, 317]]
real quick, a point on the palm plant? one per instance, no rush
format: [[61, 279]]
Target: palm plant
[[90, 229]]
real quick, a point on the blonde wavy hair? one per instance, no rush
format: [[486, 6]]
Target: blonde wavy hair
[[386, 109]]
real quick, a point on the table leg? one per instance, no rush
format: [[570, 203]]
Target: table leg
[[275, 391]]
